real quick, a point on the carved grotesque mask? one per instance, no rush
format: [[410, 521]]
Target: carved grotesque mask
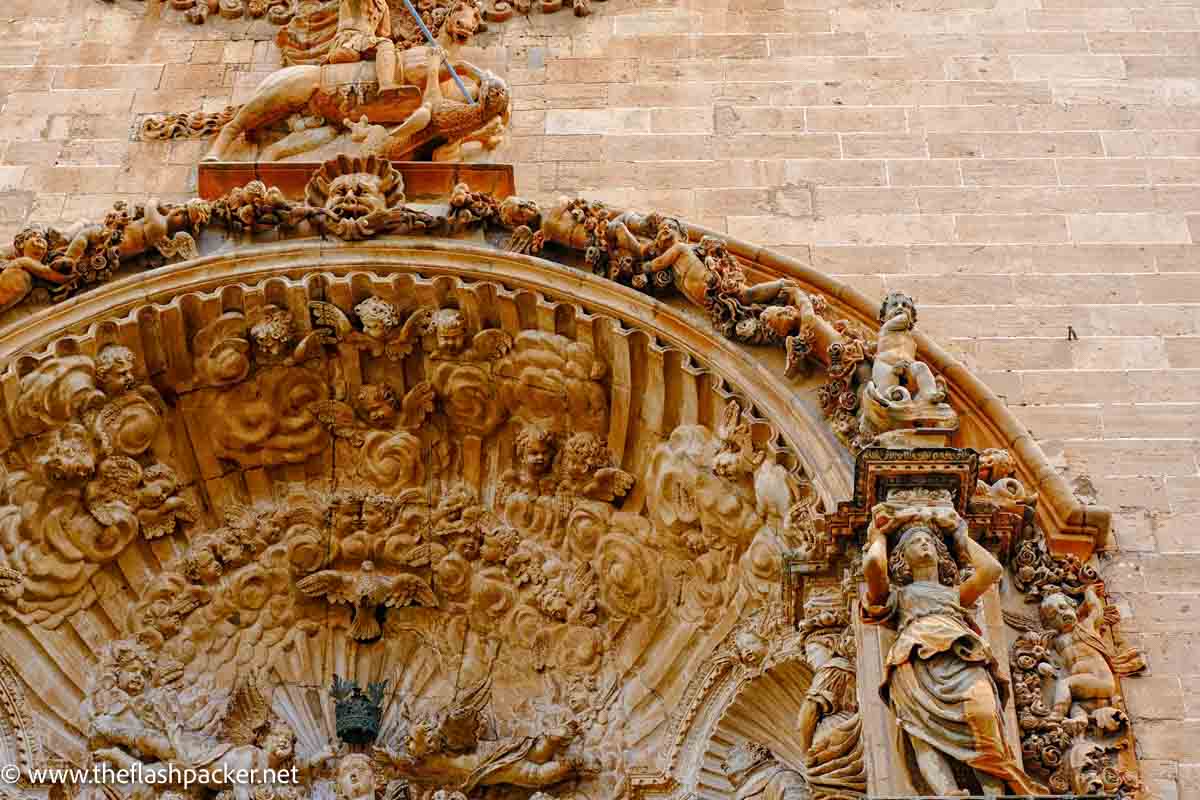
[[354, 196]]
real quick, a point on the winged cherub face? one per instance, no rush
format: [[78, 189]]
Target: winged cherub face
[[356, 195]]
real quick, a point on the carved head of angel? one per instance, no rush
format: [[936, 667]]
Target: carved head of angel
[[355, 778], [114, 370], [279, 743], [535, 449], [1057, 612], [272, 335], [895, 303], [32, 242], [450, 327], [378, 317]]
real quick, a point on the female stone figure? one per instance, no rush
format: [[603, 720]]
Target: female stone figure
[[941, 679]]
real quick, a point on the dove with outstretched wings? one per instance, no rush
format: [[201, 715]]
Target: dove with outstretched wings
[[368, 593]]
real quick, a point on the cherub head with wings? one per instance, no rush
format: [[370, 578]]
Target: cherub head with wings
[[378, 317]]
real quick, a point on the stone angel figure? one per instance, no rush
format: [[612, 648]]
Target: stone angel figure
[[737, 455], [33, 247], [445, 748], [381, 335], [1081, 666], [376, 407], [586, 470], [941, 679], [368, 593], [449, 327]]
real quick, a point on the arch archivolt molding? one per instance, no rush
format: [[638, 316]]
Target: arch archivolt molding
[[546, 499], [526, 528]]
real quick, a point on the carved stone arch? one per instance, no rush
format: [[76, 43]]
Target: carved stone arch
[[750, 374], [278, 325]]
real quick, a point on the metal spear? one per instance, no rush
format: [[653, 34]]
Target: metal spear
[[432, 43]]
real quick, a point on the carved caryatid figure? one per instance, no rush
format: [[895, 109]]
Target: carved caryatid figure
[[941, 679]]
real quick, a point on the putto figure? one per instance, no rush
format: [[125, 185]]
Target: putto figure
[[896, 373], [1082, 665], [941, 679], [903, 403], [16, 280]]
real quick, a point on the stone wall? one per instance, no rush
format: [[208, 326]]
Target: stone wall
[[1021, 167]]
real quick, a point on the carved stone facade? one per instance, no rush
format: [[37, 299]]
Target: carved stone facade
[[425, 489], [507, 514]]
